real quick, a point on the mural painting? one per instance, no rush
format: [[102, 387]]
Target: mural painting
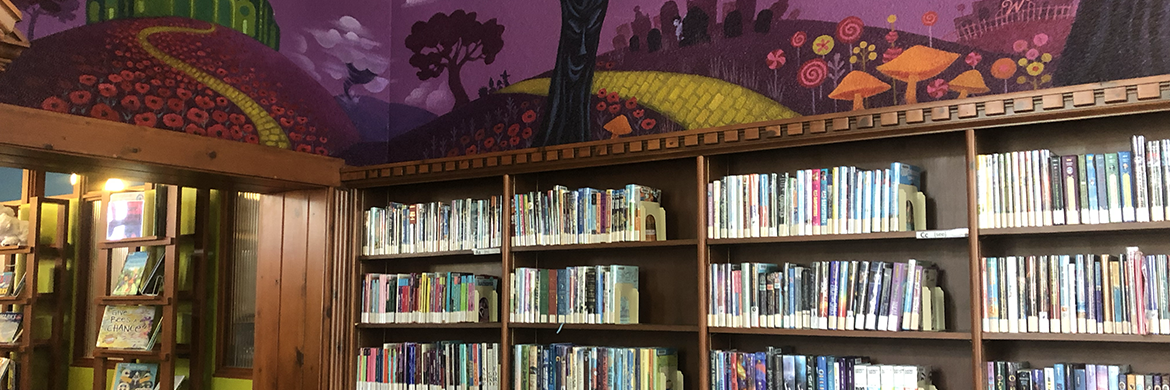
[[377, 81]]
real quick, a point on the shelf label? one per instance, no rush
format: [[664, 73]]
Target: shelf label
[[485, 251], [935, 234]]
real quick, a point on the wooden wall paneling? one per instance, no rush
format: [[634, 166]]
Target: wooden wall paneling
[[976, 285], [702, 172], [266, 364], [506, 267], [318, 269], [293, 290]]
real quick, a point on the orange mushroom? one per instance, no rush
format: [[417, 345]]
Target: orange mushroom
[[916, 64], [618, 126], [857, 86], [969, 82]]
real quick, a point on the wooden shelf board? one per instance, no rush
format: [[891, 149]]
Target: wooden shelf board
[[1078, 337], [815, 238], [458, 325], [610, 327], [845, 333], [15, 250], [404, 256], [158, 300], [13, 300], [1074, 229], [154, 354], [137, 242], [608, 245]]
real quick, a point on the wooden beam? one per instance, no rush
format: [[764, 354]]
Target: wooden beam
[[69, 143]]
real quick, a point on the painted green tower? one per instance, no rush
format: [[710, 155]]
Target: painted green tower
[[254, 18]]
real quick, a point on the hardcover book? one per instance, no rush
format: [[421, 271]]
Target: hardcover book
[[6, 283], [135, 376], [124, 215], [10, 324], [133, 272], [127, 327]]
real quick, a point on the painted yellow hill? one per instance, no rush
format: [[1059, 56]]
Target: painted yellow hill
[[695, 102]]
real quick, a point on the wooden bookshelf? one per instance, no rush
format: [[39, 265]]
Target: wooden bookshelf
[[169, 241], [942, 137]]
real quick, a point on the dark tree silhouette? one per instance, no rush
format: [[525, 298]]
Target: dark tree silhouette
[[653, 40], [779, 8], [642, 24], [570, 90], [666, 16], [635, 43], [1117, 39], [763, 22], [694, 28], [62, 10], [356, 77], [447, 42], [733, 24]]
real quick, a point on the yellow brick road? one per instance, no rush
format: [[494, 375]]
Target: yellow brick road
[[271, 133], [695, 102]]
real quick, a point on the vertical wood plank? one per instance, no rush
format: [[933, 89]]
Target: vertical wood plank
[[976, 285], [268, 284], [293, 291], [317, 266], [702, 177]]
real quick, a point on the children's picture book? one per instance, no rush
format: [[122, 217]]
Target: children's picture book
[[124, 215], [133, 271], [135, 376], [10, 326], [6, 283], [127, 327]]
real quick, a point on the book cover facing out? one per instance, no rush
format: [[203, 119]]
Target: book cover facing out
[[126, 327], [124, 215], [10, 326], [133, 270], [135, 376]]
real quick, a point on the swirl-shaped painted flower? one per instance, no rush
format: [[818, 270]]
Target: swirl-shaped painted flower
[[823, 45], [929, 18], [799, 38], [849, 30], [812, 73], [776, 59]]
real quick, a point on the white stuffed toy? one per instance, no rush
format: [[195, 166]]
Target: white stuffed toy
[[13, 231]]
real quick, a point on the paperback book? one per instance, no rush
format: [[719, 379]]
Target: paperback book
[[10, 326], [127, 327], [135, 376], [133, 272], [124, 215]]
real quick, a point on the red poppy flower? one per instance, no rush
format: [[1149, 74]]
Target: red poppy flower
[[156, 82], [305, 148], [639, 112], [172, 120], [142, 87], [252, 139], [80, 97], [169, 82], [221, 101], [276, 110], [103, 111], [236, 132], [87, 79], [148, 119], [126, 74], [529, 116], [107, 90], [523, 105], [221, 72], [514, 141], [300, 119], [131, 103], [295, 136], [193, 129], [488, 143], [196, 115], [248, 128], [164, 92], [236, 118], [514, 129], [465, 140], [176, 105], [322, 140], [649, 123], [610, 65], [153, 102], [322, 151], [613, 97], [472, 149], [54, 103], [217, 131], [114, 78], [600, 106], [527, 133], [312, 129], [452, 152], [286, 122], [601, 93], [632, 103], [219, 116], [311, 138], [183, 93], [479, 135], [614, 109], [264, 101], [204, 102]]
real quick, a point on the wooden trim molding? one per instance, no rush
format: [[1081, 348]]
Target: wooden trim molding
[[69, 143], [1147, 94]]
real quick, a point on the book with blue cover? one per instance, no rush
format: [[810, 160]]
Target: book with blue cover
[[135, 376]]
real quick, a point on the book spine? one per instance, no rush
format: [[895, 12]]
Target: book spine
[[1141, 187]]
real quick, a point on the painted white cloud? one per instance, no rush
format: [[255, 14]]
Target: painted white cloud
[[343, 41], [433, 95], [377, 85], [412, 3]]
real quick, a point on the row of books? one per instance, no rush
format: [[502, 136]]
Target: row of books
[[1038, 188], [573, 367], [430, 297], [1115, 294], [588, 216], [834, 295], [837, 200], [602, 294], [1070, 376], [438, 365], [778, 368], [461, 224]]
